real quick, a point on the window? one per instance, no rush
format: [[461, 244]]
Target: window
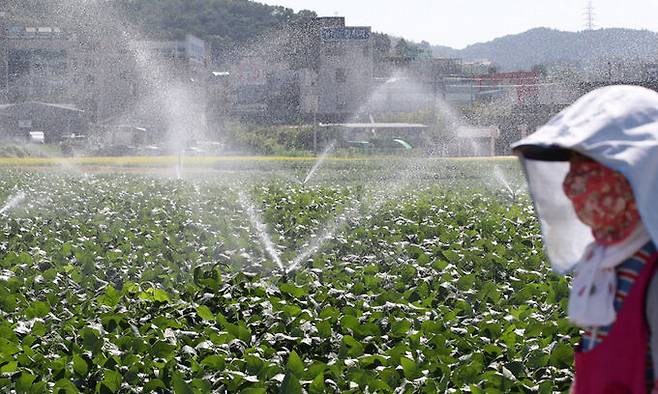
[[334, 49], [340, 103], [341, 75]]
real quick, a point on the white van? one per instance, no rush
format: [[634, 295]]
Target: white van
[[36, 137]]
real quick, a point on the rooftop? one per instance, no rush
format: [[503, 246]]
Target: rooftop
[[375, 125]]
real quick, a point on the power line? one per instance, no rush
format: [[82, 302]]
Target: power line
[[589, 16]]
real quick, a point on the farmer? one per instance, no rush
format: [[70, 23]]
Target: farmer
[[593, 177]]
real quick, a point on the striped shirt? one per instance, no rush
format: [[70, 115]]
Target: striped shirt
[[627, 273]]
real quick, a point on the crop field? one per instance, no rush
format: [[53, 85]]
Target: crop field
[[426, 277]]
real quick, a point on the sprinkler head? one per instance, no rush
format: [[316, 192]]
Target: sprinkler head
[[286, 275]]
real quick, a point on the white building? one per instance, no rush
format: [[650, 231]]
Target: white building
[[341, 83]]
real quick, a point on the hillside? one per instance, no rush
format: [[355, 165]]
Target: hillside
[[223, 23], [547, 46]]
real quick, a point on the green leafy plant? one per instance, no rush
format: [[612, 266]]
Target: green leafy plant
[[118, 283]]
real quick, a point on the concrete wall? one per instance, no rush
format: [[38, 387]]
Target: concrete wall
[[35, 63], [3, 57], [100, 73], [55, 121], [345, 73]]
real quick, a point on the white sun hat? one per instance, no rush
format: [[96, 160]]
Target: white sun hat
[[618, 127]]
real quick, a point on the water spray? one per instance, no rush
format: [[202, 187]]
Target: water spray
[[258, 225], [319, 162], [13, 202], [498, 173], [179, 166], [341, 221], [317, 243]]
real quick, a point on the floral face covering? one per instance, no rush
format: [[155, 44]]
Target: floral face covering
[[603, 200]]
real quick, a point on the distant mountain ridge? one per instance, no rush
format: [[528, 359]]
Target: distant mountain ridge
[[549, 46], [226, 24]]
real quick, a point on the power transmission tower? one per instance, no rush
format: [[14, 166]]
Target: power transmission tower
[[589, 16]]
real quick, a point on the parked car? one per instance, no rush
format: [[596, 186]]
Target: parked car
[[36, 137]]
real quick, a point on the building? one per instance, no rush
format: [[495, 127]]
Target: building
[[38, 77], [55, 121], [220, 102], [521, 87], [111, 79], [258, 88], [106, 83], [170, 98], [474, 68], [476, 141], [35, 63], [186, 57], [51, 65], [517, 88], [619, 69], [412, 85], [115, 78], [320, 69], [339, 80]]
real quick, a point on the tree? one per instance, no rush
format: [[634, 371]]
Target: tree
[[406, 50], [381, 45], [540, 69], [224, 24]]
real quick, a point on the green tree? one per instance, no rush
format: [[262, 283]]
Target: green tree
[[406, 50]]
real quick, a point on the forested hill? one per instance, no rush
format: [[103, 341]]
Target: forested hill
[[546, 46], [223, 23]]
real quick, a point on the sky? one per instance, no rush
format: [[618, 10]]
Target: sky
[[458, 23]]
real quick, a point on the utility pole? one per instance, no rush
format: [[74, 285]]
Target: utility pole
[[589, 16], [4, 59], [315, 123]]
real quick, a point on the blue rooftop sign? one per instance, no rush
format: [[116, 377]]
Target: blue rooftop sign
[[345, 33]]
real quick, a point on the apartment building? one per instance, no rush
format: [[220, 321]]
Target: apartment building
[[340, 83], [101, 73]]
